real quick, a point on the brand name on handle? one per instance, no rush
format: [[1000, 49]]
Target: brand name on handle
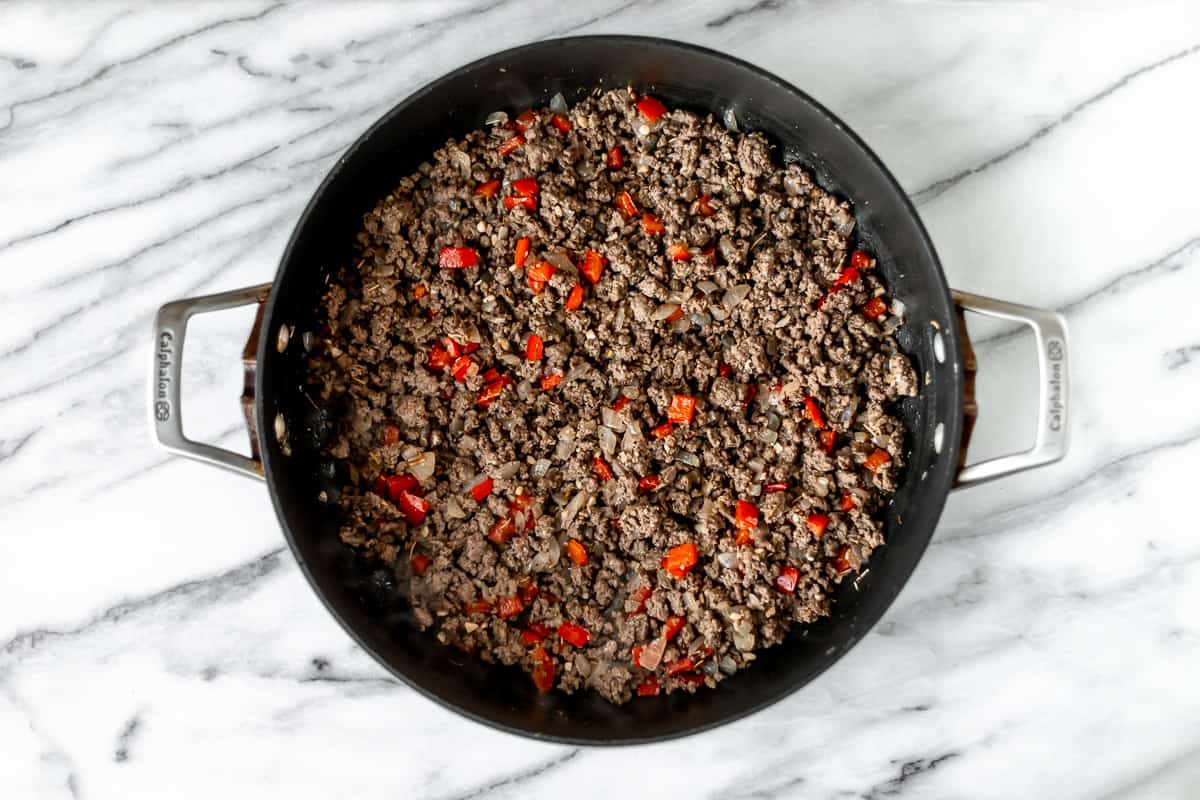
[[165, 358], [1057, 407]]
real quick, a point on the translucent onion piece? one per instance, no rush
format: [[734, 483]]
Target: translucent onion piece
[[731, 121], [558, 104], [423, 465], [496, 118]]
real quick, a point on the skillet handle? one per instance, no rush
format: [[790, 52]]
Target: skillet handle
[[1050, 444], [170, 326]]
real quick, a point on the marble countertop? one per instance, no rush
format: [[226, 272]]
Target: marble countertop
[[156, 638]]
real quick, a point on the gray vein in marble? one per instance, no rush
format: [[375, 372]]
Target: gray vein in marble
[[18, 62], [607, 15], [518, 778], [53, 754], [108, 68], [908, 770], [1181, 355], [125, 739], [739, 13], [203, 591], [9, 448], [938, 188]]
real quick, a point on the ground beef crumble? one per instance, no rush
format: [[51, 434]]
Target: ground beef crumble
[[735, 292]]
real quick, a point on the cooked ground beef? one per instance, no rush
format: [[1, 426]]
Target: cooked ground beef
[[537, 502]]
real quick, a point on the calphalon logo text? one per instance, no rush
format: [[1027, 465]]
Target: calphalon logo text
[[166, 352], [1054, 354]]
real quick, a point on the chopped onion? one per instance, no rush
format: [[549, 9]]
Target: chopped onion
[[688, 457], [767, 436], [719, 313], [727, 665], [573, 507], [631, 439], [727, 560], [708, 287], [664, 311], [898, 308], [496, 118], [547, 558], [510, 359], [452, 509], [582, 665], [690, 602], [728, 250], [559, 259], [709, 668], [821, 486], [611, 419], [525, 390], [566, 445], [558, 104], [540, 467], [681, 325], [462, 161], [701, 319], [847, 415], [783, 323], [735, 295], [422, 466], [308, 340], [608, 441], [652, 653], [731, 120], [508, 470], [880, 441], [756, 466], [773, 420], [892, 324]]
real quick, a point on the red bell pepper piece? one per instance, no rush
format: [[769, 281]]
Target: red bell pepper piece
[[575, 298], [648, 687], [539, 275], [849, 275], [679, 252], [593, 265], [640, 595], [527, 590], [680, 560], [648, 483], [419, 563], [542, 671], [414, 507], [488, 394], [488, 189], [525, 187], [577, 552], [684, 664], [562, 123], [402, 483], [525, 119], [725, 370], [817, 523], [705, 207], [813, 412], [615, 159], [601, 469], [875, 308], [681, 409], [509, 146], [439, 358], [787, 579], [522, 252], [847, 502], [574, 634], [876, 460], [694, 678], [652, 224], [419, 291], [672, 627], [626, 205], [457, 257], [841, 562], [482, 489], [391, 434], [651, 108], [536, 633], [502, 530], [745, 516], [676, 314], [828, 439], [548, 382], [479, 606], [509, 607], [751, 393], [777, 486], [534, 348], [491, 375], [461, 368], [662, 431], [620, 402], [860, 260], [527, 203]]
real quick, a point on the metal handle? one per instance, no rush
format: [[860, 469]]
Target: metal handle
[[170, 326], [1050, 443]]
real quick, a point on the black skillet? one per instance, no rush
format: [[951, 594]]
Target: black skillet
[[286, 429]]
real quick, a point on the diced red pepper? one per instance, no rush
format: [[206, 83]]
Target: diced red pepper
[[817, 523], [778, 486], [694, 678], [813, 412], [875, 308], [575, 298], [543, 670], [787, 579], [391, 434], [414, 507], [615, 159], [648, 483], [725, 370], [539, 275], [681, 409], [636, 655], [640, 595], [520, 502], [461, 368], [548, 382], [745, 516], [744, 537], [620, 402], [509, 146], [684, 664], [672, 627], [662, 431], [847, 502], [652, 224], [525, 187], [651, 108], [526, 118], [626, 205], [457, 257], [488, 394], [509, 607], [705, 207], [477, 607], [676, 314], [828, 439], [491, 375], [502, 530], [534, 348], [561, 122], [439, 358], [574, 634], [577, 552], [419, 563], [679, 251], [529, 203], [402, 483], [680, 560], [649, 687], [527, 590], [482, 489], [849, 275], [522, 252], [751, 393], [452, 348], [876, 460], [593, 265], [860, 260], [419, 291], [601, 469], [536, 633], [488, 189], [841, 562]]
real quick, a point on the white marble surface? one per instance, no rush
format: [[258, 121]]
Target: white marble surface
[[156, 639]]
